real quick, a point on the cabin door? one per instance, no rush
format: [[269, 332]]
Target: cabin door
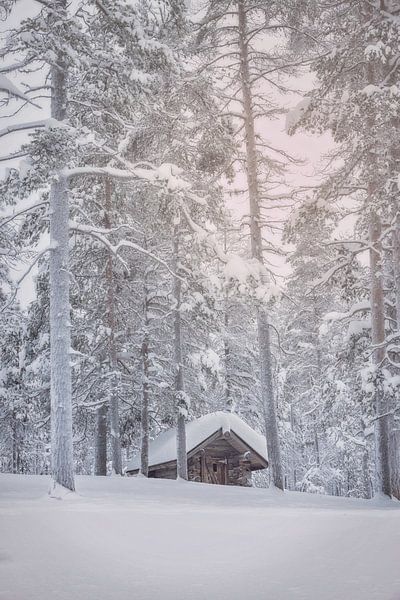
[[213, 470], [220, 472]]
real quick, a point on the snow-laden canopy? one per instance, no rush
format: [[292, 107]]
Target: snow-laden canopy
[[163, 448]]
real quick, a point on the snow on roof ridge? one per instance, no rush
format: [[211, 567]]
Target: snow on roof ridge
[[163, 448], [226, 427]]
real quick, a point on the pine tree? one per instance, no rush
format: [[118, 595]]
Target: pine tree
[[63, 44], [354, 101], [249, 69]]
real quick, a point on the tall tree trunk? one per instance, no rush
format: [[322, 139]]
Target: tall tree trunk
[[227, 359], [395, 433], [112, 349], [396, 265], [144, 451], [317, 444], [101, 441], [227, 350], [180, 396], [267, 385], [60, 334], [382, 441], [15, 443], [293, 445], [395, 461], [366, 477]]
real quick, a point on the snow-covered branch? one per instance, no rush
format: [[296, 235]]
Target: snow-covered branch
[[23, 126], [12, 90], [166, 173], [15, 215], [100, 235]]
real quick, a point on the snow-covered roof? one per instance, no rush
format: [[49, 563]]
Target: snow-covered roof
[[163, 448]]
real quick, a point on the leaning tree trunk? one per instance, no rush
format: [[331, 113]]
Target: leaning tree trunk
[[60, 325], [382, 440], [180, 396], [267, 385], [112, 348], [101, 441]]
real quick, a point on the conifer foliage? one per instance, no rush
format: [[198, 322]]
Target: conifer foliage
[[159, 259]]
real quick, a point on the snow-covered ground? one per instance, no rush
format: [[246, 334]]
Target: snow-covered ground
[[137, 539]]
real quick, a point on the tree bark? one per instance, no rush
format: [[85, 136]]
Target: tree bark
[[180, 396], [60, 334], [227, 350], [144, 451], [227, 359], [112, 349], [395, 433], [101, 441], [395, 454], [366, 478], [381, 428], [16, 444], [396, 266], [267, 386]]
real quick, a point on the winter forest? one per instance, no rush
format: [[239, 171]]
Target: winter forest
[[200, 224], [200, 213]]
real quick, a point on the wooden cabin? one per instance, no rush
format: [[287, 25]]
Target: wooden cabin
[[221, 448]]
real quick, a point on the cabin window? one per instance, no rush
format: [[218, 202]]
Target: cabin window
[[215, 467]]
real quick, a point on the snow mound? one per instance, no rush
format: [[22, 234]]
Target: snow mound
[[163, 448], [59, 492]]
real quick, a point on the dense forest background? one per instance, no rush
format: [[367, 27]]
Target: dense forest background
[[179, 266]]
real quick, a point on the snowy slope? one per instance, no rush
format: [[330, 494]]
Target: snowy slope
[[137, 539], [163, 448]]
